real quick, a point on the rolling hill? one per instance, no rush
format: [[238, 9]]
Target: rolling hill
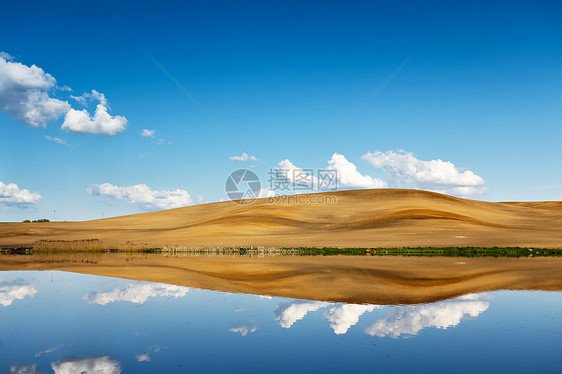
[[359, 218]]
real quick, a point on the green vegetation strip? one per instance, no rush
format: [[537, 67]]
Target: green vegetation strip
[[308, 251], [433, 252]]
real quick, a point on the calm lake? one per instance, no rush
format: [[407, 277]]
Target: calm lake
[[53, 321]]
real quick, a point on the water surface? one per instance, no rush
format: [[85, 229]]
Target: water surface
[[62, 322]]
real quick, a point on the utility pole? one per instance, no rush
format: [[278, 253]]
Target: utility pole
[[54, 215]]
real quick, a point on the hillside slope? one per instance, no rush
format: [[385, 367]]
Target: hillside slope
[[360, 218]]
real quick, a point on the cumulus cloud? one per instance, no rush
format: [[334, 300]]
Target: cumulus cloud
[[56, 140], [343, 316], [136, 293], [403, 169], [348, 176], [143, 196], [15, 290], [409, 320], [287, 172], [243, 330], [243, 158], [90, 365], [24, 93], [12, 195], [265, 192], [289, 313], [345, 171], [102, 123]]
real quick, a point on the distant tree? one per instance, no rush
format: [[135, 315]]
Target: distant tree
[[41, 220], [27, 221]]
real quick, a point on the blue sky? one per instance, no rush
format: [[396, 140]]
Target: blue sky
[[481, 91]]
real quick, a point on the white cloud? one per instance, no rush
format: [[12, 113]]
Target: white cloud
[[80, 121], [47, 351], [80, 99], [289, 313], [403, 169], [462, 191], [28, 369], [265, 192], [243, 158], [348, 176], [143, 196], [343, 316], [136, 293], [6, 56], [15, 290], [12, 195], [24, 93], [243, 330], [56, 140], [90, 365], [143, 358], [148, 133], [286, 171], [409, 320]]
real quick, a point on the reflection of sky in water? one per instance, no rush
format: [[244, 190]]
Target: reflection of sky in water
[[136, 293], [71, 323], [17, 289], [409, 320]]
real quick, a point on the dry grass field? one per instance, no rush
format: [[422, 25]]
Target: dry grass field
[[362, 218]]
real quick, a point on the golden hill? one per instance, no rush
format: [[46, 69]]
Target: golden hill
[[360, 218]]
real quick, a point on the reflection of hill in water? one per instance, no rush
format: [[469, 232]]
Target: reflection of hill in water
[[358, 279]]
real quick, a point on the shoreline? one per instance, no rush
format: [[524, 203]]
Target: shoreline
[[77, 247]]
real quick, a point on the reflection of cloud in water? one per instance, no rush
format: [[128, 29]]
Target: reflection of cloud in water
[[409, 320], [90, 365], [343, 316], [243, 330], [15, 290], [136, 293], [23, 369], [289, 313]]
